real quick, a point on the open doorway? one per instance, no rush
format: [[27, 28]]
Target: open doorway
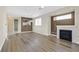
[[26, 24]]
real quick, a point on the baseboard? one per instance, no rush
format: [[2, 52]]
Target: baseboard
[[25, 32], [12, 34], [76, 43], [42, 34], [2, 43], [19, 32]]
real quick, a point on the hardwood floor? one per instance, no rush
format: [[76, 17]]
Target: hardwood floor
[[33, 42]]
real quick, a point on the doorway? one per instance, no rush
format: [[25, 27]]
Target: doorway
[[26, 24]]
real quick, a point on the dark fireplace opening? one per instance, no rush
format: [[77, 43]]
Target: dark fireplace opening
[[66, 35]]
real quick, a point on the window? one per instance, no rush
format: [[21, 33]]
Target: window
[[64, 19], [38, 22], [15, 25]]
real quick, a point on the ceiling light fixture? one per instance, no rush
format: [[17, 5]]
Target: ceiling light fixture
[[41, 7]]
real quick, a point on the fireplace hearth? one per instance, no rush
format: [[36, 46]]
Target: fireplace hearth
[[66, 35]]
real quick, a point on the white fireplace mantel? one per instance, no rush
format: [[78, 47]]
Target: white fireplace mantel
[[66, 28]]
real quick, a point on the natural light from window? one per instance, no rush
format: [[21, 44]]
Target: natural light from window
[[63, 17], [38, 22]]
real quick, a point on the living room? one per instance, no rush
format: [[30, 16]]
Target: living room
[[40, 28]]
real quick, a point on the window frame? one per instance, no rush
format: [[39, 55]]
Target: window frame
[[56, 18], [72, 18], [37, 20]]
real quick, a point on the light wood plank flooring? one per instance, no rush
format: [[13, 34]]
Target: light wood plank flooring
[[33, 42]]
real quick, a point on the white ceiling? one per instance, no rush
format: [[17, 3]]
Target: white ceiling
[[30, 11]]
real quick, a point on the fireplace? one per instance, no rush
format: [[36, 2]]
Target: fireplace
[[66, 35]]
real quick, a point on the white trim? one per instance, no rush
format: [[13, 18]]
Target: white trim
[[2, 43], [20, 32], [53, 35]]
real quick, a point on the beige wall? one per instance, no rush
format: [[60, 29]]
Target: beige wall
[[3, 26], [46, 22], [10, 24]]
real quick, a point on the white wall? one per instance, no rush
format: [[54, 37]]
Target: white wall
[[43, 29], [3, 26], [46, 19]]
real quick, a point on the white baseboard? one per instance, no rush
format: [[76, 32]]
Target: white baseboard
[[19, 32], [76, 42], [43, 34], [2, 43]]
